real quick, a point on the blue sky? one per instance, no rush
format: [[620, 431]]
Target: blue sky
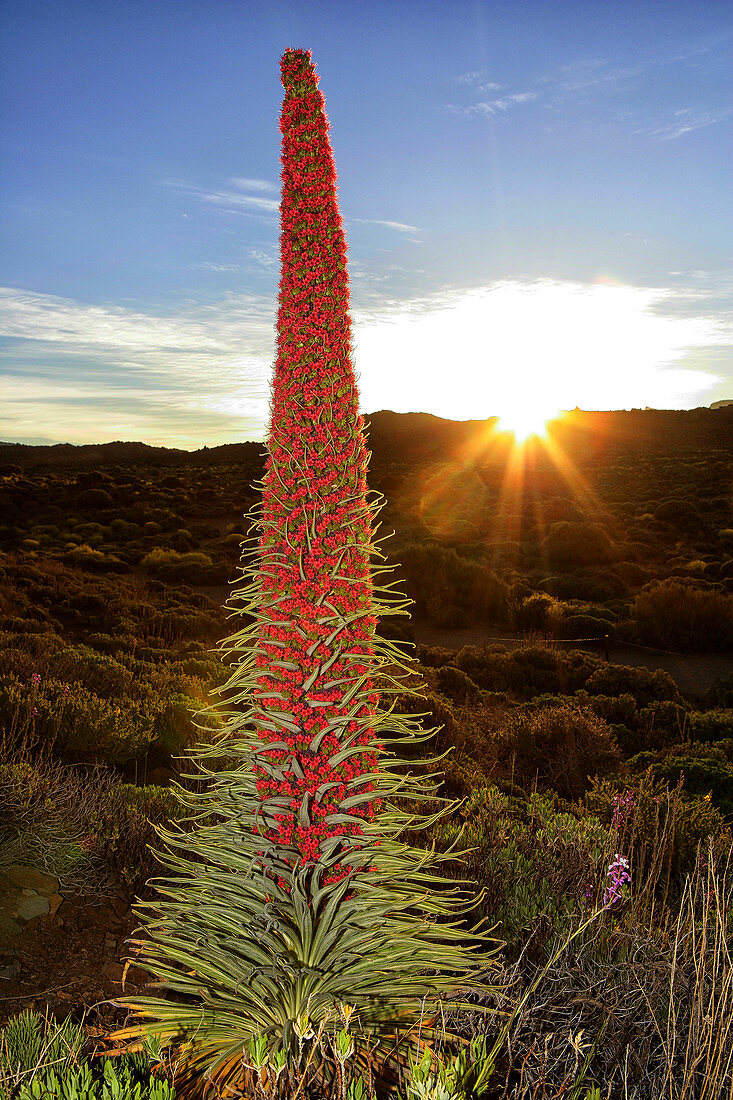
[[536, 200]]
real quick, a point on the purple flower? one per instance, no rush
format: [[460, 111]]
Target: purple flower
[[35, 679], [623, 804], [618, 878]]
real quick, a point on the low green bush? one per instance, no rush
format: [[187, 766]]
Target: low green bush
[[705, 771], [194, 568], [41, 1059], [534, 862], [76, 723], [711, 725], [662, 830]]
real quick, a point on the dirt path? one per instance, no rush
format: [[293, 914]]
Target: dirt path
[[693, 674]]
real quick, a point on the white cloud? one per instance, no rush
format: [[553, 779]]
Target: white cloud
[[92, 373], [106, 372], [219, 268], [494, 106], [399, 226], [685, 121], [252, 185], [230, 201]]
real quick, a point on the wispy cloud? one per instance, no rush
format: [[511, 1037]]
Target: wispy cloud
[[663, 96], [201, 374], [252, 185], [476, 79], [481, 87], [399, 226], [232, 197], [685, 121], [137, 374], [218, 268], [263, 257], [494, 106]]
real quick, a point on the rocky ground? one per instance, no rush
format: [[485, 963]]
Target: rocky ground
[[63, 953]]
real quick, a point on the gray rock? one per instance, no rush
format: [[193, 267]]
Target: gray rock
[[28, 878], [12, 970], [30, 905]]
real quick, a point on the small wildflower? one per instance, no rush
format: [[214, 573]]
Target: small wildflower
[[35, 679], [623, 804], [618, 878]]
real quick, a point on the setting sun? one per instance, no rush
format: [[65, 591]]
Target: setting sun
[[526, 420]]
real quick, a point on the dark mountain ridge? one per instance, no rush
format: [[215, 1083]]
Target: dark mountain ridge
[[422, 436]]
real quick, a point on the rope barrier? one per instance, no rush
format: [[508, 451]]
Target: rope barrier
[[598, 639]]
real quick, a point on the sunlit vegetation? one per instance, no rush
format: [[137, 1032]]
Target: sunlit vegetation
[[109, 620]]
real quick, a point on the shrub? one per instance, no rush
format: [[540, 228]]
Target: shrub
[[88, 831], [40, 1058], [123, 833], [76, 722], [705, 770], [527, 670], [646, 685], [535, 613], [576, 544], [456, 685], [711, 725], [94, 498], [663, 832], [584, 626], [190, 568], [680, 514], [175, 729], [682, 617], [586, 584], [561, 747], [448, 589], [720, 693], [94, 560], [533, 861]]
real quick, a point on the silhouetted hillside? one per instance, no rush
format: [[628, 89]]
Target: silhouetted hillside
[[422, 437]]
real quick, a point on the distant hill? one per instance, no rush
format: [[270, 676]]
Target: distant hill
[[422, 437], [725, 404]]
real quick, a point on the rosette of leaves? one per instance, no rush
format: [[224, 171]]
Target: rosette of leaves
[[293, 892]]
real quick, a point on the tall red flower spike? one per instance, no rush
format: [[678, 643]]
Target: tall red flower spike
[[293, 893], [316, 525]]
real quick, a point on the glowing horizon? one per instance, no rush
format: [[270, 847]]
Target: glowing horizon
[[517, 350]]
